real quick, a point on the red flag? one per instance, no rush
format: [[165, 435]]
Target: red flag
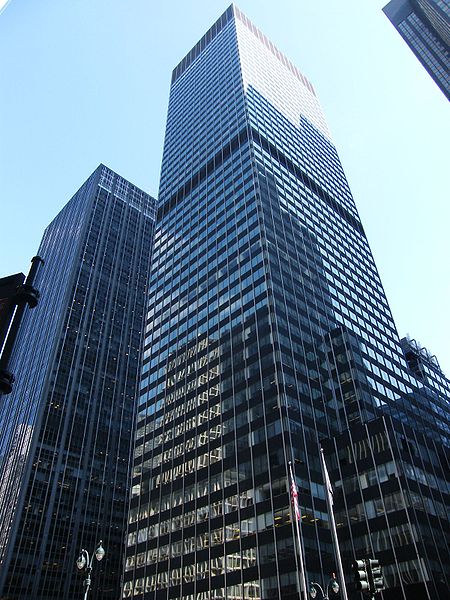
[[294, 499]]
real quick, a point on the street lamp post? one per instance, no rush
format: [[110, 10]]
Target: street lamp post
[[332, 585], [84, 564]]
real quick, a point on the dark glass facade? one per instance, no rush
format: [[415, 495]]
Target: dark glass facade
[[66, 430], [391, 501], [425, 27], [268, 331], [392, 476]]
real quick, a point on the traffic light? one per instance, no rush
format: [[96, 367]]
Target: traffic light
[[361, 576], [367, 576], [375, 577]]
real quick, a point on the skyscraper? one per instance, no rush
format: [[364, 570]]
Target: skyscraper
[[425, 27], [66, 429], [268, 333]]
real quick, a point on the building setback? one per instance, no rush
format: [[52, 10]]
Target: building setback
[[67, 427], [268, 331], [425, 27]]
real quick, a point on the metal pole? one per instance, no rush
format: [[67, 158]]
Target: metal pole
[[299, 540], [329, 500], [26, 295], [87, 581]]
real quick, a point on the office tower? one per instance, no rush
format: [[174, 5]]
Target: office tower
[[66, 429], [268, 331], [425, 27]]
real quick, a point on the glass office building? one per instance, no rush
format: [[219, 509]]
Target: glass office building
[[425, 27], [268, 331], [66, 430], [391, 474]]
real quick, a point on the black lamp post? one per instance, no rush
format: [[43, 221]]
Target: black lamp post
[[332, 586], [84, 564]]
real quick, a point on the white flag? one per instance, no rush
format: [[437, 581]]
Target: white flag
[[327, 481]]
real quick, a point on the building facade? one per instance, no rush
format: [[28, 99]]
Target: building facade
[[425, 27], [391, 474], [66, 429], [268, 332]]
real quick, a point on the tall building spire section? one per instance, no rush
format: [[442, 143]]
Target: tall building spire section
[[268, 331]]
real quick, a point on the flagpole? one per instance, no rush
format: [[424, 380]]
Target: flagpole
[[329, 499], [294, 502]]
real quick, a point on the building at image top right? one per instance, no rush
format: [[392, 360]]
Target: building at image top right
[[425, 27]]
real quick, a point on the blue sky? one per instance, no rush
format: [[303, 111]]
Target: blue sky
[[87, 81]]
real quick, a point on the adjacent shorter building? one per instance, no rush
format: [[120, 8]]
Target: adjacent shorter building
[[66, 429], [391, 502], [425, 27], [391, 476]]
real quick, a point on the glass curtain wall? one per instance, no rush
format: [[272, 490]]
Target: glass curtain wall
[[66, 429], [260, 260]]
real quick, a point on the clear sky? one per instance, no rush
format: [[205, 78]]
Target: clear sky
[[87, 81]]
